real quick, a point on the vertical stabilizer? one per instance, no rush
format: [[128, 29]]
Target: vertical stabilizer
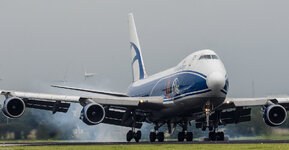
[[138, 67]]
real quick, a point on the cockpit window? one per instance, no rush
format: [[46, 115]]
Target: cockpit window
[[214, 57], [208, 57]]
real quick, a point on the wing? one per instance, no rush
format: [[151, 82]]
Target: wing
[[91, 91], [118, 110], [135, 102], [236, 110], [250, 102]]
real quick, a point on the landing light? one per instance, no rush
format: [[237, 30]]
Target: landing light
[[141, 101]]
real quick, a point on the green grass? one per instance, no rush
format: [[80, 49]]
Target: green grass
[[158, 147], [31, 141]]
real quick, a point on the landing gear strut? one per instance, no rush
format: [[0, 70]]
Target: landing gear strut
[[131, 134]]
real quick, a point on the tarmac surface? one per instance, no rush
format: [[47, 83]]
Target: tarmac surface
[[140, 143]]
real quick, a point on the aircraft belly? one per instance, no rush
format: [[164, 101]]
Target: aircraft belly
[[185, 107]]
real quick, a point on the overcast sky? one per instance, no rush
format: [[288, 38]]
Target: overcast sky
[[42, 41]]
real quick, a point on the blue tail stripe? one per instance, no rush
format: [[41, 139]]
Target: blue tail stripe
[[138, 57]]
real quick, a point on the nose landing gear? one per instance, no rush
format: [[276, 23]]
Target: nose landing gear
[[212, 124]]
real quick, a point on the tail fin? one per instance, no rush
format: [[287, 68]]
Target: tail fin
[[138, 67]]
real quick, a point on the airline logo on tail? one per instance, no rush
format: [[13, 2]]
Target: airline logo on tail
[[137, 58]]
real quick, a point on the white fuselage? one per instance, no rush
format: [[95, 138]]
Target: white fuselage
[[199, 79]]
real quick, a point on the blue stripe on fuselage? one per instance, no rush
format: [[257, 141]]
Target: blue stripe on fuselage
[[187, 94], [173, 86]]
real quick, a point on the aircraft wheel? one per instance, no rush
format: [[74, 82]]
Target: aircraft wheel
[[181, 136], [137, 136], [204, 127], [189, 136], [212, 136], [211, 128], [153, 137], [220, 136], [129, 135], [160, 136]]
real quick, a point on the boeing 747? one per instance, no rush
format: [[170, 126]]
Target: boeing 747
[[194, 90]]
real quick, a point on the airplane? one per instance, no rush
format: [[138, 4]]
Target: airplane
[[87, 74], [195, 90]]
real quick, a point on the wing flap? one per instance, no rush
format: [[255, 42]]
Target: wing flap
[[141, 102], [119, 123], [56, 106]]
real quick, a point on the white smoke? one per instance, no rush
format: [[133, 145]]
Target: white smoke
[[82, 131]]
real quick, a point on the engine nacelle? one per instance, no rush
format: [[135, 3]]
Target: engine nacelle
[[92, 114], [275, 115], [13, 107]]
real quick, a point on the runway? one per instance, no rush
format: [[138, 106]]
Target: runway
[[145, 143]]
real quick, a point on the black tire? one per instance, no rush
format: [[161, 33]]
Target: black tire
[[137, 136], [129, 136], [211, 128], [204, 127], [153, 137], [189, 136], [181, 136], [212, 136], [161, 136], [220, 136]]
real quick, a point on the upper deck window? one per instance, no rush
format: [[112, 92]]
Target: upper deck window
[[208, 57]]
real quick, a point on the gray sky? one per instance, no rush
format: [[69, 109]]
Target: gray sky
[[40, 40]]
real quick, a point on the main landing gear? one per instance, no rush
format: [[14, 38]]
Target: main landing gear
[[182, 136], [216, 136], [160, 136], [156, 135], [133, 135], [185, 134]]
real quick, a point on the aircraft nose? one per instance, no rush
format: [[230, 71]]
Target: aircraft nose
[[216, 81]]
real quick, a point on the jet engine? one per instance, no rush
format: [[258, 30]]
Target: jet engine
[[13, 107], [92, 114], [275, 115]]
